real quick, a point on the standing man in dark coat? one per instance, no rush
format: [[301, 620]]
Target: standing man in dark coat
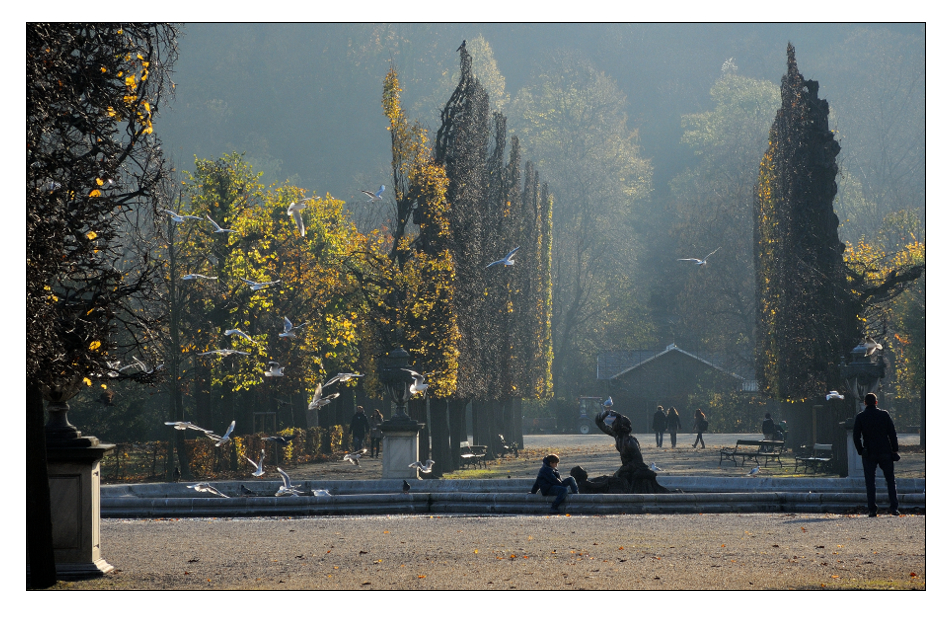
[[876, 441], [358, 427], [659, 425]]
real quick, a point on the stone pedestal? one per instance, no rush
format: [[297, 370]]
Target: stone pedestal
[[74, 480], [855, 466], [400, 448]]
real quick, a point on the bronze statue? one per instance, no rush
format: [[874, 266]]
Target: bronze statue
[[633, 476]]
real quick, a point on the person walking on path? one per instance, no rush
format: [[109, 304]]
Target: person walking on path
[[768, 427], [875, 439], [659, 425], [700, 425], [673, 424], [375, 434], [358, 427], [549, 482]]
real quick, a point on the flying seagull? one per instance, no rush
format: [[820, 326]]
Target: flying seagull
[[424, 468], [354, 457], [287, 488], [753, 471], [275, 370], [258, 467], [703, 260], [342, 377], [280, 439], [508, 260], [194, 276], [187, 426], [870, 346], [206, 488], [178, 219], [239, 333], [290, 329], [223, 352], [419, 384], [319, 400], [294, 211], [254, 285], [834, 395], [218, 229], [655, 467], [373, 197], [227, 435]]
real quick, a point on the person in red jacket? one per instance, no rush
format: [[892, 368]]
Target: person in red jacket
[[875, 439]]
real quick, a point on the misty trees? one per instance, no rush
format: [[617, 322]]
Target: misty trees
[[713, 209], [811, 302], [92, 161], [571, 118]]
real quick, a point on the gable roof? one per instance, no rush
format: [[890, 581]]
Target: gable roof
[[745, 384]]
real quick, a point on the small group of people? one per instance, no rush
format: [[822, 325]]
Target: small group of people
[[669, 421], [360, 425]]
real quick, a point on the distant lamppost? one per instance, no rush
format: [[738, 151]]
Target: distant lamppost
[[400, 432], [862, 376]]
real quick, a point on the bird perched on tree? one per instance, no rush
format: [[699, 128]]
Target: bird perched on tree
[[406, 486], [703, 260]]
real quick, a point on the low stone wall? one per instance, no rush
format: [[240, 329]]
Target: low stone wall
[[478, 497]]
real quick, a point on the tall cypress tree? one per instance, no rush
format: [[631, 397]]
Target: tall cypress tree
[[806, 318]]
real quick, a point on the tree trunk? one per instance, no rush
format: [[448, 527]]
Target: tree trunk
[[923, 417], [457, 432], [517, 432], [39, 524], [441, 440]]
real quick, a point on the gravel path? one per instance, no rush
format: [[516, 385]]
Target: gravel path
[[713, 552]]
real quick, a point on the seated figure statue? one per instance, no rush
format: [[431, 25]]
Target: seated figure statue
[[633, 476]]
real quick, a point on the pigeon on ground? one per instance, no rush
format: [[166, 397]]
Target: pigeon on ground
[[245, 491], [321, 493], [239, 333], [834, 395], [287, 489], [275, 370], [703, 260], [294, 211], [406, 486], [227, 435], [354, 457], [753, 471], [289, 329], [507, 260], [206, 488], [424, 468], [655, 467], [254, 285], [373, 197], [218, 229]]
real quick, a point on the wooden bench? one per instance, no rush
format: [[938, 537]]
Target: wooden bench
[[760, 450], [472, 455], [820, 456]]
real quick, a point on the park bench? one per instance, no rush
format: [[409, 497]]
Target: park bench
[[472, 455], [820, 456], [760, 450]]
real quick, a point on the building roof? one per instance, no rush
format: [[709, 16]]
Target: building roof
[[643, 357]]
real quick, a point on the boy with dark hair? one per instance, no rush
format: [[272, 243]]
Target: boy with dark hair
[[550, 484]]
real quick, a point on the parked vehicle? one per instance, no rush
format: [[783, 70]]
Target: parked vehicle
[[589, 408]]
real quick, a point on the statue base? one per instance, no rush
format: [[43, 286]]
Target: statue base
[[400, 448]]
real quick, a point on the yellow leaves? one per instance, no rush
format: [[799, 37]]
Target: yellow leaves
[[95, 345], [87, 381], [95, 193], [91, 235]]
